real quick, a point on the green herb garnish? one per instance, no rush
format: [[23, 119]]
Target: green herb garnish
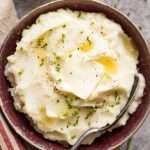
[[70, 55], [42, 62], [58, 67], [76, 121], [79, 14], [59, 80], [58, 101], [89, 41], [90, 113], [73, 137], [20, 72], [64, 26], [62, 38], [44, 45], [81, 32], [68, 104]]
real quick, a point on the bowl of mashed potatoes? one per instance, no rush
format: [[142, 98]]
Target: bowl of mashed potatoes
[[68, 66]]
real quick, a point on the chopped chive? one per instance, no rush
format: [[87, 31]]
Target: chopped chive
[[58, 68], [42, 62], [44, 45], [79, 14], [63, 38], [90, 113], [68, 104], [70, 55], [89, 123], [88, 39], [58, 58], [73, 137], [66, 114], [59, 80], [21, 49], [58, 101], [92, 23], [64, 26], [81, 32], [20, 72], [77, 121]]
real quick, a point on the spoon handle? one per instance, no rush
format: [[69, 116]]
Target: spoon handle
[[83, 136], [123, 111]]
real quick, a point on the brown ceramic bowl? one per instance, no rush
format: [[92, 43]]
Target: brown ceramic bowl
[[108, 140]]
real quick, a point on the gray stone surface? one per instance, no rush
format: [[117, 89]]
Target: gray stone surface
[[139, 12]]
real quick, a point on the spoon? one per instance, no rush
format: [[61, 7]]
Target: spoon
[[107, 127]]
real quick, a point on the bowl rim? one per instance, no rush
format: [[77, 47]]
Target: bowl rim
[[57, 1]]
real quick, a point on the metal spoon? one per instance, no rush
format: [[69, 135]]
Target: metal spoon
[[107, 127]]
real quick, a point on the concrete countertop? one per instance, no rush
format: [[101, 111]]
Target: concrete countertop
[[139, 12]]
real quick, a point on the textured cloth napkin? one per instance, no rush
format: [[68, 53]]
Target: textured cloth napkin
[[8, 18]]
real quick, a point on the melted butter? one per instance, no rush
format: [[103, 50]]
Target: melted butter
[[44, 118], [40, 52], [106, 78], [109, 63], [39, 48], [42, 56], [86, 46]]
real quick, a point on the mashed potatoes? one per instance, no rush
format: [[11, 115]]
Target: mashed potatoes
[[73, 70]]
